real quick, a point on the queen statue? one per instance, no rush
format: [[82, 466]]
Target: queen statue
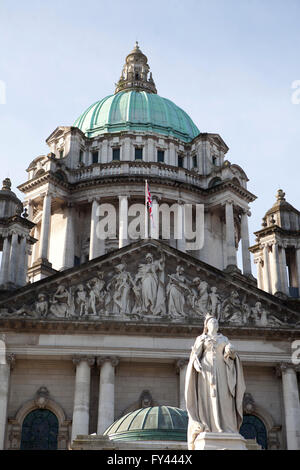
[[214, 386]]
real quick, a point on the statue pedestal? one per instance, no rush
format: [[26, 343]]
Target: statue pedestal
[[220, 441]]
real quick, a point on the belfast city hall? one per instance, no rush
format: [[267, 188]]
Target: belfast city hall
[[101, 301]]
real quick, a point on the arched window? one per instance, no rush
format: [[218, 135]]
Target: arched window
[[236, 181], [214, 182], [253, 428], [39, 431]]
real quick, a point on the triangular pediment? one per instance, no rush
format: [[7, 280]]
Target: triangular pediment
[[148, 282]]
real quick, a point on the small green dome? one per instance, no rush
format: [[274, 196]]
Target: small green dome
[[156, 423], [133, 110]]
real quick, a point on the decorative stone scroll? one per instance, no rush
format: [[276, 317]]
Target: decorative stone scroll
[[146, 289]]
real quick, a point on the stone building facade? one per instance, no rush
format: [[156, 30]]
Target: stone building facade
[[89, 324]]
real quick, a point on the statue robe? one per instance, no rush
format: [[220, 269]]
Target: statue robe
[[214, 397]]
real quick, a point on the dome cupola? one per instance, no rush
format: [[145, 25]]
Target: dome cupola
[[154, 423], [136, 73], [136, 107]]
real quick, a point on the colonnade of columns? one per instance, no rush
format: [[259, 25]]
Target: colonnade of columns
[[272, 274], [106, 406], [97, 245]]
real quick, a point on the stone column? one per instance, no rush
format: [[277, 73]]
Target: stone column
[[266, 268], [69, 242], [13, 259], [6, 363], [230, 240], [22, 262], [154, 223], [260, 283], [181, 366], [34, 248], [106, 407], [45, 227], [298, 267], [245, 243], [93, 232], [291, 405], [284, 278], [180, 226], [81, 410], [123, 221], [4, 273], [275, 270]]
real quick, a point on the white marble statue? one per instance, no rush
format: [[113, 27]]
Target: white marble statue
[[150, 278], [214, 386]]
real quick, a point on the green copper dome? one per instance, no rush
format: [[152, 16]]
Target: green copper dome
[[133, 110], [163, 423]]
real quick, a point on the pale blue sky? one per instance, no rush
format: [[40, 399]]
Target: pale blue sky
[[229, 63]]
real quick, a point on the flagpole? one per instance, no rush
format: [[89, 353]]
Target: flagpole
[[146, 211]]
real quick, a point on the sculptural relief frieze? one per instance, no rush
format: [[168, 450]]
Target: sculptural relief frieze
[[146, 288]]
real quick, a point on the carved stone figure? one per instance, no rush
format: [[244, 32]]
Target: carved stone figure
[[214, 386], [92, 296], [214, 302], [176, 290], [41, 306], [82, 301], [61, 302], [199, 300], [231, 308], [150, 277], [100, 290], [120, 286], [262, 318]]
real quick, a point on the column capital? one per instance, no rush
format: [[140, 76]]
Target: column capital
[[181, 202], [114, 360], [11, 359], [181, 363], [285, 366], [228, 202], [89, 359], [47, 193], [94, 199], [122, 196], [246, 212]]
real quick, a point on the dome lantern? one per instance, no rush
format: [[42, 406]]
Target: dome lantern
[[136, 73]]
